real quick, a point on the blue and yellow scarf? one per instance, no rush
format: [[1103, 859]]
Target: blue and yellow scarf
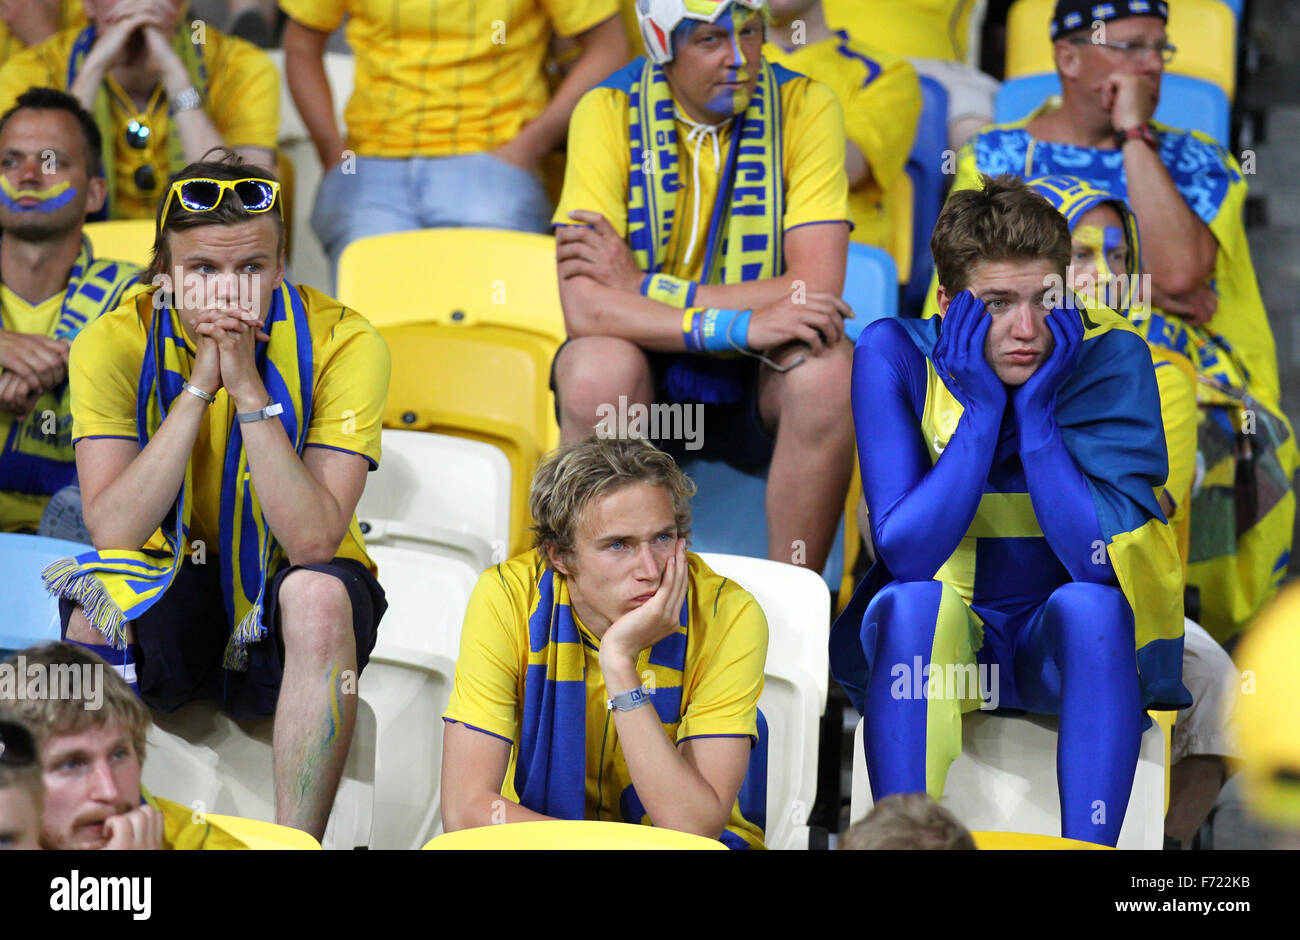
[[551, 766], [113, 587], [551, 772], [745, 237], [32, 461]]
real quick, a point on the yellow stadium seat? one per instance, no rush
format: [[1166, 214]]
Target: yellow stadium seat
[[455, 275], [123, 239], [938, 29], [1204, 31], [899, 202], [1029, 840], [1165, 719], [257, 834], [482, 381], [571, 834]]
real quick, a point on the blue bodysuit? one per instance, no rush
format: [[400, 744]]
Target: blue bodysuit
[[976, 566]]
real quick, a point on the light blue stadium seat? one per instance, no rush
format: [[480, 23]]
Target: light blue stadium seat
[[729, 515], [30, 614], [925, 166], [870, 286], [1186, 103]]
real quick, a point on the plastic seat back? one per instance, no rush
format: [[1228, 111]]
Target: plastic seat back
[[870, 287], [450, 487], [455, 275], [797, 606], [31, 614], [1204, 32], [930, 184], [1185, 103], [487, 383]]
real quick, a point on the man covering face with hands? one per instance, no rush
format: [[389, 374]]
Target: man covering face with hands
[[1011, 452]]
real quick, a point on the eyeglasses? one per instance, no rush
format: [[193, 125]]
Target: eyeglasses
[[202, 195], [17, 746], [1133, 50]]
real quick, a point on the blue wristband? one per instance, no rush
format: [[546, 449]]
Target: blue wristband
[[723, 330]]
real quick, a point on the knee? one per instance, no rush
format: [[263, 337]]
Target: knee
[[315, 616], [902, 616], [1093, 622], [595, 370], [818, 390]]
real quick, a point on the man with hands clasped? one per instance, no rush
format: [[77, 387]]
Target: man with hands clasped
[[608, 674], [224, 423], [1011, 452], [164, 91]]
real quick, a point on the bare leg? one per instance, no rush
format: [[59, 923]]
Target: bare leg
[[596, 371], [318, 705], [80, 630], [1194, 785], [813, 459]]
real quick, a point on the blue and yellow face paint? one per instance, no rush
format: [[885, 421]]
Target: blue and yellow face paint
[[49, 200], [1100, 256], [737, 21]]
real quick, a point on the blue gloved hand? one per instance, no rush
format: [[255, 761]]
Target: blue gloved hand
[[959, 359], [1035, 401]]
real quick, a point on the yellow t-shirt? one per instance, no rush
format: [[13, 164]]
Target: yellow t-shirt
[[816, 186], [21, 512], [182, 834], [436, 78], [72, 15], [881, 98], [726, 650], [350, 366], [933, 29], [243, 102]]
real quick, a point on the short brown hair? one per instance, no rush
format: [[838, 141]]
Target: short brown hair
[[571, 477], [908, 821], [15, 770], [230, 211], [1003, 221], [48, 716]]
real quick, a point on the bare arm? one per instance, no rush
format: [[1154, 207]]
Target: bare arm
[[473, 768], [691, 787], [604, 49], [304, 66], [855, 165], [599, 289], [1178, 248], [126, 491]]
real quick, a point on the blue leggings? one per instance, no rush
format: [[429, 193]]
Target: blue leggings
[[1072, 656]]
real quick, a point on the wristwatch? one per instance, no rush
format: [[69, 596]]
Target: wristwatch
[[187, 100], [270, 411], [1141, 132], [630, 700]]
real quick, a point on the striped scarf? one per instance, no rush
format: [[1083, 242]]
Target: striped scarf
[[32, 461], [551, 771], [745, 237], [191, 53], [116, 586]]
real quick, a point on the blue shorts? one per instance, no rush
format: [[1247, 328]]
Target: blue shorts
[[180, 640]]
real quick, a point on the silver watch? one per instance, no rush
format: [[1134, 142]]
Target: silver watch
[[187, 100], [270, 411], [630, 700]]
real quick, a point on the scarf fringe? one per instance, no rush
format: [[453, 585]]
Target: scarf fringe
[[248, 632], [65, 578]]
